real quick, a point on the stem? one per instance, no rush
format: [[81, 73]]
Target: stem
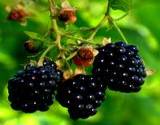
[[114, 23], [44, 54], [54, 26], [36, 55], [119, 18], [96, 29], [57, 32], [82, 40], [54, 23], [76, 38], [58, 42], [118, 29], [68, 67], [71, 56], [46, 51], [108, 8]]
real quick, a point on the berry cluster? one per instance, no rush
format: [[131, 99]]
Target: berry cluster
[[117, 66], [120, 66], [81, 94], [34, 87]]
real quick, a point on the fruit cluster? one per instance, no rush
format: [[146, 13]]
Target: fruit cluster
[[117, 67]]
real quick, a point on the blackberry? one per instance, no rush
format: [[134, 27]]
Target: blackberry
[[120, 66], [81, 94], [34, 87]]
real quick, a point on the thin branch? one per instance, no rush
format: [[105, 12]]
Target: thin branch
[[71, 56], [119, 30], [54, 26], [73, 37], [96, 29], [44, 54], [119, 18]]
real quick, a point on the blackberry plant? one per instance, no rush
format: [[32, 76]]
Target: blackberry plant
[[116, 66]]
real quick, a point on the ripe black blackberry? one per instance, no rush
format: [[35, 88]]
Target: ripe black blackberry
[[81, 94], [34, 87], [120, 66]]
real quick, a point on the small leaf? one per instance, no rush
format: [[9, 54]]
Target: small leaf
[[33, 35], [123, 5]]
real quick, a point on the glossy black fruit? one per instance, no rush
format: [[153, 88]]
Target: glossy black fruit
[[120, 66], [34, 87], [81, 94]]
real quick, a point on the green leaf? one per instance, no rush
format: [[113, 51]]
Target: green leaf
[[123, 5], [33, 35]]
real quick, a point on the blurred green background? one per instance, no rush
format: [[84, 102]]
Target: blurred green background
[[141, 27]]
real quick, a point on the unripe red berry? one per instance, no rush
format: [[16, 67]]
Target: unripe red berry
[[67, 15], [32, 46], [17, 14], [84, 57]]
